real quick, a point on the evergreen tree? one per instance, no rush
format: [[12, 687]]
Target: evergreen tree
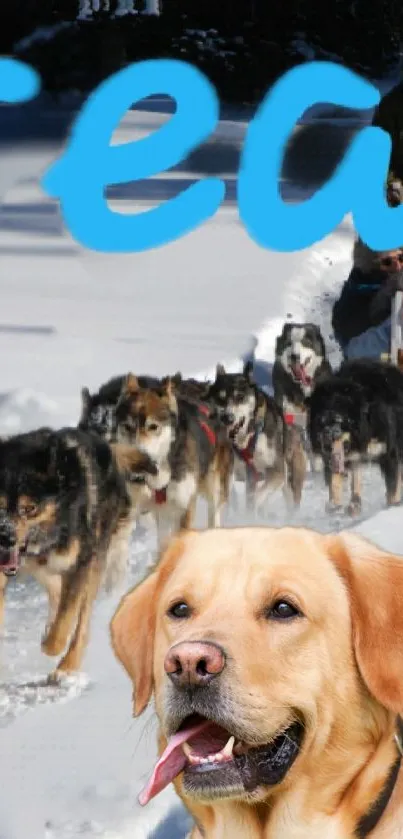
[[242, 45]]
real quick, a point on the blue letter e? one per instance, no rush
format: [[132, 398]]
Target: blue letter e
[[80, 177], [358, 184]]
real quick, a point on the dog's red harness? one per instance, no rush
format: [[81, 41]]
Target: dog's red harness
[[246, 455], [209, 432], [204, 409], [160, 495]]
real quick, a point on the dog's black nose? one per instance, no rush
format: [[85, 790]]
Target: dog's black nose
[[228, 418], [194, 663], [295, 357]]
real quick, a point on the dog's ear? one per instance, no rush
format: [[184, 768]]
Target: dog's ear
[[176, 380], [314, 329], [130, 385], [220, 370], [132, 631], [374, 580], [279, 345], [248, 371], [204, 389], [168, 389], [85, 402], [133, 626]]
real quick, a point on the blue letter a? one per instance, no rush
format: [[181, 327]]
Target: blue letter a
[[357, 186]]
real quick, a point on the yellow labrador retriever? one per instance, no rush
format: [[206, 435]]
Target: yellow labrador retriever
[[276, 661]]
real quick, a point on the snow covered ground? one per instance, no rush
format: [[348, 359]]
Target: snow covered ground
[[73, 760]]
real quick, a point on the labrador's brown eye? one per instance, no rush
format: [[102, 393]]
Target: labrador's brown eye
[[283, 610], [179, 610]]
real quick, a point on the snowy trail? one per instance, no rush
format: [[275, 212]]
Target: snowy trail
[[75, 760]]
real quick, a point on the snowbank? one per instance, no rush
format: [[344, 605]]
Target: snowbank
[[309, 293]]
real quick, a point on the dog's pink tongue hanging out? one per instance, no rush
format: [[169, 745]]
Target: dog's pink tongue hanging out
[[206, 738], [171, 762], [300, 374]]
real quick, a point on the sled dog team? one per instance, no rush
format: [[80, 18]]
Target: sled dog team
[[71, 498]]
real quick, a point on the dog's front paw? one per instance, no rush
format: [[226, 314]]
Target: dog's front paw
[[52, 644], [354, 508], [56, 677], [333, 509]]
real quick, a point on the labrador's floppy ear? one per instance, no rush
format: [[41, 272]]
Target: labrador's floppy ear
[[133, 626], [132, 632], [374, 580]]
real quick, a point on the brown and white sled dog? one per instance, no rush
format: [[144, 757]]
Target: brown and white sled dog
[[98, 410], [269, 454], [188, 445], [65, 519]]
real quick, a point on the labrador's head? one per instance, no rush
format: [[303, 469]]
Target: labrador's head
[[271, 654]]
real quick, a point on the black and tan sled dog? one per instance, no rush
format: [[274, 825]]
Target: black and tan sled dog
[[65, 519], [268, 453]]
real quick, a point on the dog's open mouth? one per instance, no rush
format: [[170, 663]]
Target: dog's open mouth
[[299, 373], [217, 765], [9, 560]]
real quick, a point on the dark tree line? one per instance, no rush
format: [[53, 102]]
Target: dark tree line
[[242, 45]]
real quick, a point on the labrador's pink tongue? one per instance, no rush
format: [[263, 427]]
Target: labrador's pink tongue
[[171, 762]]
